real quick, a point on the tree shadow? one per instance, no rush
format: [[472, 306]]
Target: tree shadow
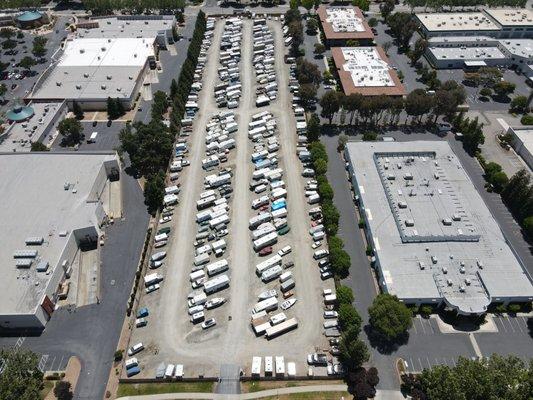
[[383, 345], [530, 326]]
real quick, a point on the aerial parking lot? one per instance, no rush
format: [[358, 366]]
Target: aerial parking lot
[[238, 273]]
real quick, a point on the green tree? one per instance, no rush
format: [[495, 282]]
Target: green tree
[[370, 136], [331, 217], [349, 318], [7, 33], [307, 94], [353, 353], [325, 191], [319, 49], [321, 166], [503, 88], [154, 192], [112, 110], [76, 109], [335, 242], [352, 103], [148, 145], [330, 103], [372, 22], [3, 90], [21, 378], [341, 142], [308, 5], [340, 262], [389, 318], [386, 8], [473, 136], [9, 44], [71, 130], [420, 48], [418, 103], [528, 226], [38, 146], [173, 89], [62, 391], [402, 28], [27, 62], [519, 104], [313, 128], [344, 295], [307, 72]]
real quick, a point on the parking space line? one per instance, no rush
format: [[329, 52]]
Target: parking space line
[[429, 363], [414, 327], [515, 319], [42, 362], [412, 364], [498, 322], [60, 365], [510, 324], [453, 360], [422, 325], [431, 326], [421, 366]]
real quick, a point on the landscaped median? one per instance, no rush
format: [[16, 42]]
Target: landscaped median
[[137, 389]]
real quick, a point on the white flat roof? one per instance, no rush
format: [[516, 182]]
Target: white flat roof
[[511, 16], [465, 21], [344, 19], [434, 237], [366, 67], [519, 47], [526, 137], [36, 204], [128, 26], [107, 52], [467, 53]]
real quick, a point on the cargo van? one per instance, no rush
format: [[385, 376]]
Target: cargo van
[[136, 348], [320, 254]]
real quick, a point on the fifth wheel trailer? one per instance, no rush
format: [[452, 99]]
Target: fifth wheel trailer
[[218, 283], [282, 328]]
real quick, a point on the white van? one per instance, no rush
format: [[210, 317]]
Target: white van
[[135, 349], [92, 138]]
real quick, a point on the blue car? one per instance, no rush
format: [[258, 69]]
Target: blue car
[[132, 371]]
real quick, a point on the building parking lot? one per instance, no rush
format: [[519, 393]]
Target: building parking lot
[[169, 336]]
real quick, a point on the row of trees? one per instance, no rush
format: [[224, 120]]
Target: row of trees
[[518, 196], [494, 377], [385, 109], [16, 4], [108, 6], [150, 145]]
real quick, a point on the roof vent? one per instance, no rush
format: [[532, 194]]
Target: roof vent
[[82, 51], [86, 75], [103, 49], [109, 77], [78, 87], [104, 87], [58, 83]]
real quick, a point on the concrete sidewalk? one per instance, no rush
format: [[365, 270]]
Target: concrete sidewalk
[[380, 395]]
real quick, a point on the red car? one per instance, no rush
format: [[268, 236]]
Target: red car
[[266, 251]]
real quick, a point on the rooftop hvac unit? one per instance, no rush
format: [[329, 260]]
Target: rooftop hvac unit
[[34, 241], [78, 87], [434, 259], [103, 49], [119, 89], [468, 282], [58, 83], [25, 254], [462, 289], [444, 270], [82, 51], [104, 87], [86, 75], [449, 282], [462, 270], [109, 77], [24, 263]]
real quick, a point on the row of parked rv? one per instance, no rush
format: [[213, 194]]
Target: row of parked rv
[[207, 276], [228, 92], [152, 280], [267, 226], [263, 61], [317, 233], [274, 366]]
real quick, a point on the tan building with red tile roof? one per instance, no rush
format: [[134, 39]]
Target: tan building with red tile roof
[[341, 24], [366, 70]]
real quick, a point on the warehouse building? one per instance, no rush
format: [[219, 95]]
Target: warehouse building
[[496, 23], [93, 69], [480, 51], [435, 241], [522, 143], [343, 24], [53, 205], [366, 70]]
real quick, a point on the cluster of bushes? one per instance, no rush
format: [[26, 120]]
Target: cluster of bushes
[[115, 109], [472, 131], [527, 119], [494, 175], [138, 274]]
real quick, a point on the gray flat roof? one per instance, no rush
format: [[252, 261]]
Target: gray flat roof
[[457, 21], [73, 83], [125, 27], [434, 237], [36, 204], [20, 135], [511, 17], [467, 53]]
